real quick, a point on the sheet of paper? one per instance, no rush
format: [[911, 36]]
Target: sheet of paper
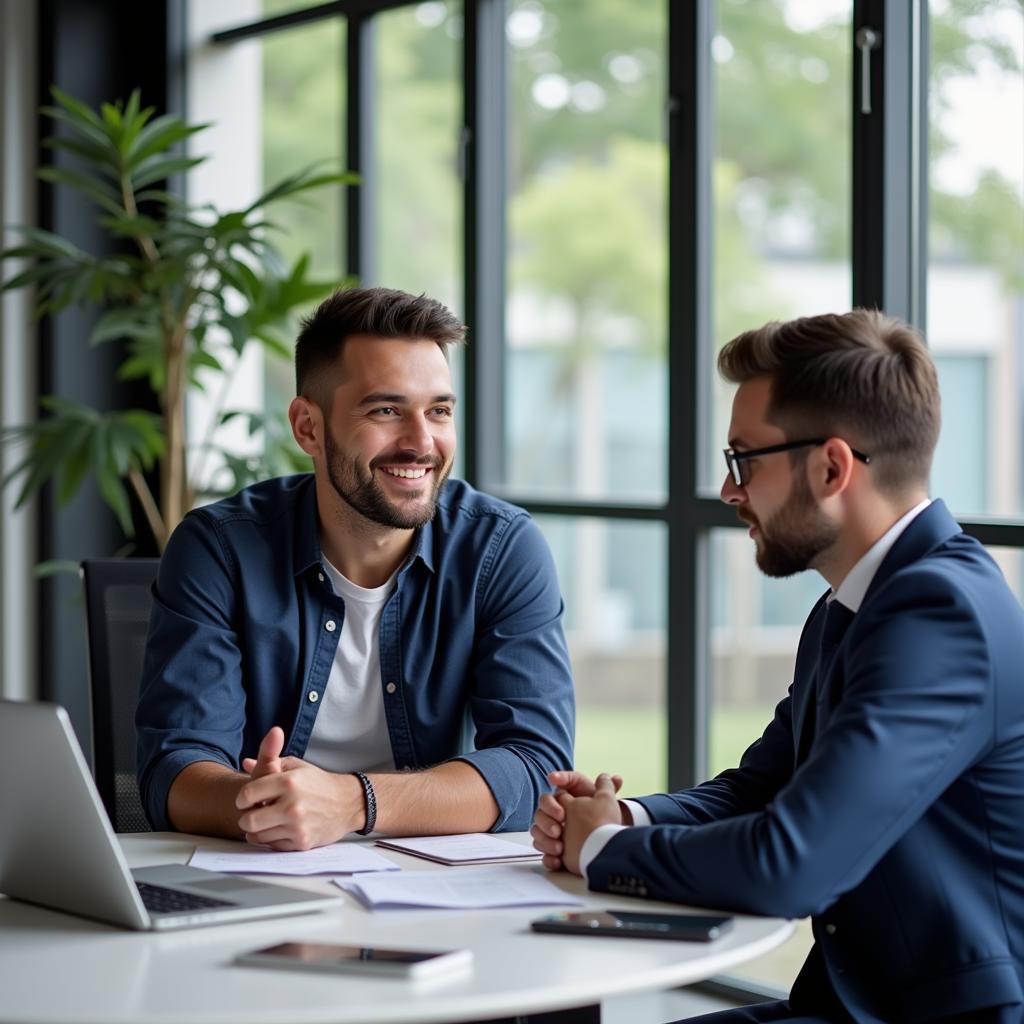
[[510, 886], [336, 859], [472, 848]]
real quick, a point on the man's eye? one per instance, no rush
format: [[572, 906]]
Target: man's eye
[[443, 411], [385, 410]]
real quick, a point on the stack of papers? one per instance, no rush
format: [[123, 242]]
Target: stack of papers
[[336, 859], [463, 890], [474, 848]]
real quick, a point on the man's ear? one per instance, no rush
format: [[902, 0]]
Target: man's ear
[[833, 467], [307, 423]]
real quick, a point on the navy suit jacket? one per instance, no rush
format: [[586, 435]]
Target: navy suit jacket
[[899, 827]]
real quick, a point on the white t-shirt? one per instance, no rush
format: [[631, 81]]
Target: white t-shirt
[[350, 732]]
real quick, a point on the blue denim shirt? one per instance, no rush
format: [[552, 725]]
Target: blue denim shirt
[[245, 625]]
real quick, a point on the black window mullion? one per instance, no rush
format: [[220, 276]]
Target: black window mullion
[[890, 183], [361, 153], [307, 16], [484, 194], [689, 288]]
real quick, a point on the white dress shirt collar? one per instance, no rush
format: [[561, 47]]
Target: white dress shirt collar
[[852, 590]]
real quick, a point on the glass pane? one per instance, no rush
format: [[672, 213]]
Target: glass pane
[[303, 122], [272, 8], [418, 92], [1011, 561], [755, 627], [585, 378], [976, 237], [780, 174], [274, 105], [612, 575]]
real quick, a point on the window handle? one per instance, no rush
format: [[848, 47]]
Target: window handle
[[867, 39]]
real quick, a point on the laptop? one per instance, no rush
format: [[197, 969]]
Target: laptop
[[57, 847]]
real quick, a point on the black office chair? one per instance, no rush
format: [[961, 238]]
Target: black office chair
[[117, 603]]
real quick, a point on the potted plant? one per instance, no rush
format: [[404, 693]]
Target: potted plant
[[186, 292]]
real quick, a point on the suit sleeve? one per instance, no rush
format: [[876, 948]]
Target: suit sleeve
[[916, 712], [766, 766]]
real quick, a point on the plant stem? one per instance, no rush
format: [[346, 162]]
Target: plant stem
[[149, 507], [173, 480]]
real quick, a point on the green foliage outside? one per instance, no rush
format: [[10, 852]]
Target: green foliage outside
[[632, 742]]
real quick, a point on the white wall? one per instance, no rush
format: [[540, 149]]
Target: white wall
[[17, 344]]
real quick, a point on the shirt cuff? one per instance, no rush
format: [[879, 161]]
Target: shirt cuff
[[639, 812], [595, 843]]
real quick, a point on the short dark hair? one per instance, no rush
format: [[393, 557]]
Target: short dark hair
[[378, 312], [862, 376]]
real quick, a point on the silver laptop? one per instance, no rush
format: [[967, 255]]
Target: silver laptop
[[57, 847]]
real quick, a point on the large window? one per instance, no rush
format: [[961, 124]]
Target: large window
[[608, 191], [976, 241]]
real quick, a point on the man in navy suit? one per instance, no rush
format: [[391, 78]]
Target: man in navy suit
[[885, 800]]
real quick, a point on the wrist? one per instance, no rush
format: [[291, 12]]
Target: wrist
[[625, 814]]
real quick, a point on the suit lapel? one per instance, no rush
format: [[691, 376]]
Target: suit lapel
[[805, 681]]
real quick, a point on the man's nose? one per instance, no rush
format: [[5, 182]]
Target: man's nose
[[417, 436], [731, 493]]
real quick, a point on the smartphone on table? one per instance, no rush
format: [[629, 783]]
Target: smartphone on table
[[624, 924], [332, 958]]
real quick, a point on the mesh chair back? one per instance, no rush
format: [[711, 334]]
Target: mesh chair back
[[117, 604]]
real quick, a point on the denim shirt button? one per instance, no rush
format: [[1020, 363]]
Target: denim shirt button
[[391, 687], [320, 576], [313, 696], [330, 625]]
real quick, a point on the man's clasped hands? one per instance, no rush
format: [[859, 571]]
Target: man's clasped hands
[[290, 804], [566, 817]]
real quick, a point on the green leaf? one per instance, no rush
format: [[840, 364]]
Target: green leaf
[[278, 347], [124, 323], [55, 567], [303, 181], [76, 462], [100, 155], [158, 168], [131, 226], [51, 243], [94, 189], [75, 108], [158, 136], [111, 114], [97, 135], [114, 493]]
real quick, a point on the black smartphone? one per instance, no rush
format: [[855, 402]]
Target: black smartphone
[[624, 924], [333, 958]]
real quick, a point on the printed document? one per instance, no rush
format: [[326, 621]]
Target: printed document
[[472, 848], [336, 859], [509, 886]]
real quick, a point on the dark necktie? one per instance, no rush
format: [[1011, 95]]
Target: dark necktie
[[837, 621]]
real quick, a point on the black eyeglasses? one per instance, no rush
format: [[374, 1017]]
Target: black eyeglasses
[[735, 461]]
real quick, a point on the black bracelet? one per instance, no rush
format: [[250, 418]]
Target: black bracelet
[[371, 805]]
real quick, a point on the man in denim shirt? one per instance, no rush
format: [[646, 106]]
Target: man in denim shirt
[[367, 647]]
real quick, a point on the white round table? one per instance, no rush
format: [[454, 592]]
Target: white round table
[[58, 968]]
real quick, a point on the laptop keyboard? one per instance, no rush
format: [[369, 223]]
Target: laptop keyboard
[[159, 900]]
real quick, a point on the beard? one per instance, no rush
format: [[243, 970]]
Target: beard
[[795, 535], [359, 489]]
